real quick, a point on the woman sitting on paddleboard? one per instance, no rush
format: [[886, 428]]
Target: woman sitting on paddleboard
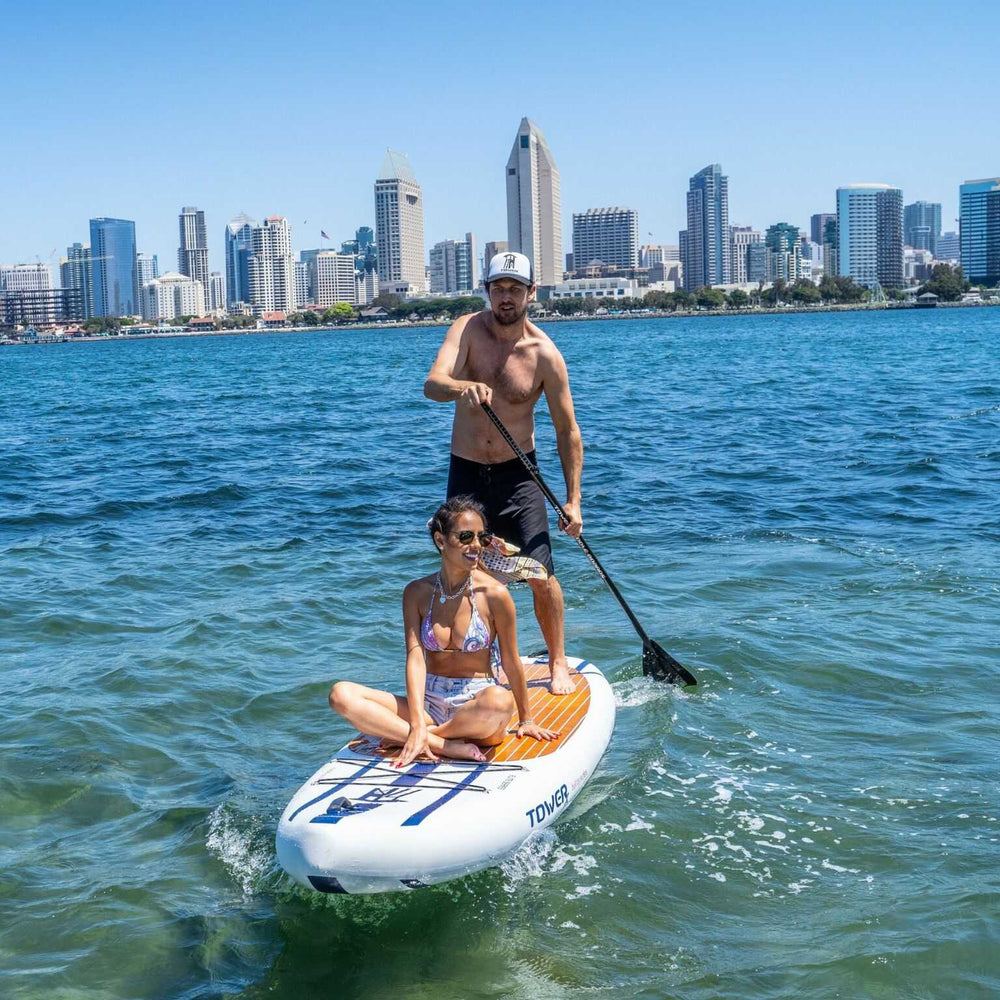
[[451, 620]]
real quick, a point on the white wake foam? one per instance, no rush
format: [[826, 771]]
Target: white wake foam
[[246, 857]]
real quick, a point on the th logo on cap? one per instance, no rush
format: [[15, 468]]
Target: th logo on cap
[[510, 264]]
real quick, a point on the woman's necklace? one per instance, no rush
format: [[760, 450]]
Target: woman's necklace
[[442, 596]]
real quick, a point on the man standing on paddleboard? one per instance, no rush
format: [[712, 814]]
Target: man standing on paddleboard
[[498, 357]]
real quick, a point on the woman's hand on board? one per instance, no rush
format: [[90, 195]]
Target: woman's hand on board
[[536, 732], [415, 745]]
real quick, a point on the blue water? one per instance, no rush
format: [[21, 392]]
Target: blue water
[[199, 535]]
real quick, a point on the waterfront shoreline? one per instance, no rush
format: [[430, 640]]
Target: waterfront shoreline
[[542, 321]]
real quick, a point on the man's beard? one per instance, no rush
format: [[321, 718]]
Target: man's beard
[[510, 318]]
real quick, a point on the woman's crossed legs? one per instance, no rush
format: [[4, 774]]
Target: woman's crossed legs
[[481, 721]]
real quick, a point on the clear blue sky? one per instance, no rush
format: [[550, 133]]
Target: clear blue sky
[[133, 110]]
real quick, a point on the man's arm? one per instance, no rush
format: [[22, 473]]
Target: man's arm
[[441, 384], [568, 438]]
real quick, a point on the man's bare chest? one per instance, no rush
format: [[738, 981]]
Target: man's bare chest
[[514, 375]]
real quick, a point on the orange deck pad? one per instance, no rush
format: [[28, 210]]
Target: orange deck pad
[[563, 713]]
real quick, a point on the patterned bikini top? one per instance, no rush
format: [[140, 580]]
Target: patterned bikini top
[[477, 635]]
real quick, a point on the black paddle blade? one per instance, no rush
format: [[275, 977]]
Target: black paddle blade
[[661, 666]]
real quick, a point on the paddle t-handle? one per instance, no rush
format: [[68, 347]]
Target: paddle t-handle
[[656, 661]]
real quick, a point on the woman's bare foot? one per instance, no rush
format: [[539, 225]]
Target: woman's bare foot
[[462, 750]]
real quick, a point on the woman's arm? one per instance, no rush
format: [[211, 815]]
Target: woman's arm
[[416, 679], [504, 614]]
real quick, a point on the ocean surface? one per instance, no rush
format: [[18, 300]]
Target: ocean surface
[[197, 536]]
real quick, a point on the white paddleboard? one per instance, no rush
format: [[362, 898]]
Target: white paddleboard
[[359, 825]]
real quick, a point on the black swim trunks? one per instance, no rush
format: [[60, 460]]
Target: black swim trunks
[[515, 507]]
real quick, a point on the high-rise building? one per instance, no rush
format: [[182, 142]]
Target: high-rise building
[[784, 252], [817, 225], [534, 204], [740, 238], [829, 246], [606, 236], [215, 298], [455, 265], [707, 260], [651, 254], [367, 281], [40, 306], [949, 247], [192, 253], [870, 234], [399, 222], [756, 262], [27, 297], [305, 276], [303, 285], [812, 260], [238, 249], [365, 250], [25, 277], [113, 269], [979, 230], [336, 278], [74, 273], [922, 225], [147, 267], [270, 268], [172, 295]]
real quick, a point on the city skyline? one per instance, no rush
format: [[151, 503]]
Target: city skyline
[[66, 172]]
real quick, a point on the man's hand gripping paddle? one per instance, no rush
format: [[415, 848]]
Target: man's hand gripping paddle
[[656, 661]]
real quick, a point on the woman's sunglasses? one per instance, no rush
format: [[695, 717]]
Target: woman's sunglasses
[[465, 537]]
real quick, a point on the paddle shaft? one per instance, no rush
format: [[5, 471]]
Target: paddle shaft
[[551, 497]]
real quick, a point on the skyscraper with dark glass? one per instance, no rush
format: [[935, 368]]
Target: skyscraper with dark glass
[[239, 232], [113, 268], [979, 230], [706, 260], [922, 225]]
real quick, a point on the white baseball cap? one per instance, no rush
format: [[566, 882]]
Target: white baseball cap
[[509, 264]]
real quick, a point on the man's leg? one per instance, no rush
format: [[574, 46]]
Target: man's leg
[[550, 612], [525, 521]]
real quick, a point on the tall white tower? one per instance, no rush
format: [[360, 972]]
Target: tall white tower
[[192, 254], [399, 222], [270, 268], [534, 206]]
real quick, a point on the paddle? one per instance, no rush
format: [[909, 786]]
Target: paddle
[[656, 661]]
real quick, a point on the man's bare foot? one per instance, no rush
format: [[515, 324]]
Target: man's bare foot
[[561, 682], [462, 750]]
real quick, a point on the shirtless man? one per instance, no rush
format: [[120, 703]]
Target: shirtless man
[[497, 356]]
